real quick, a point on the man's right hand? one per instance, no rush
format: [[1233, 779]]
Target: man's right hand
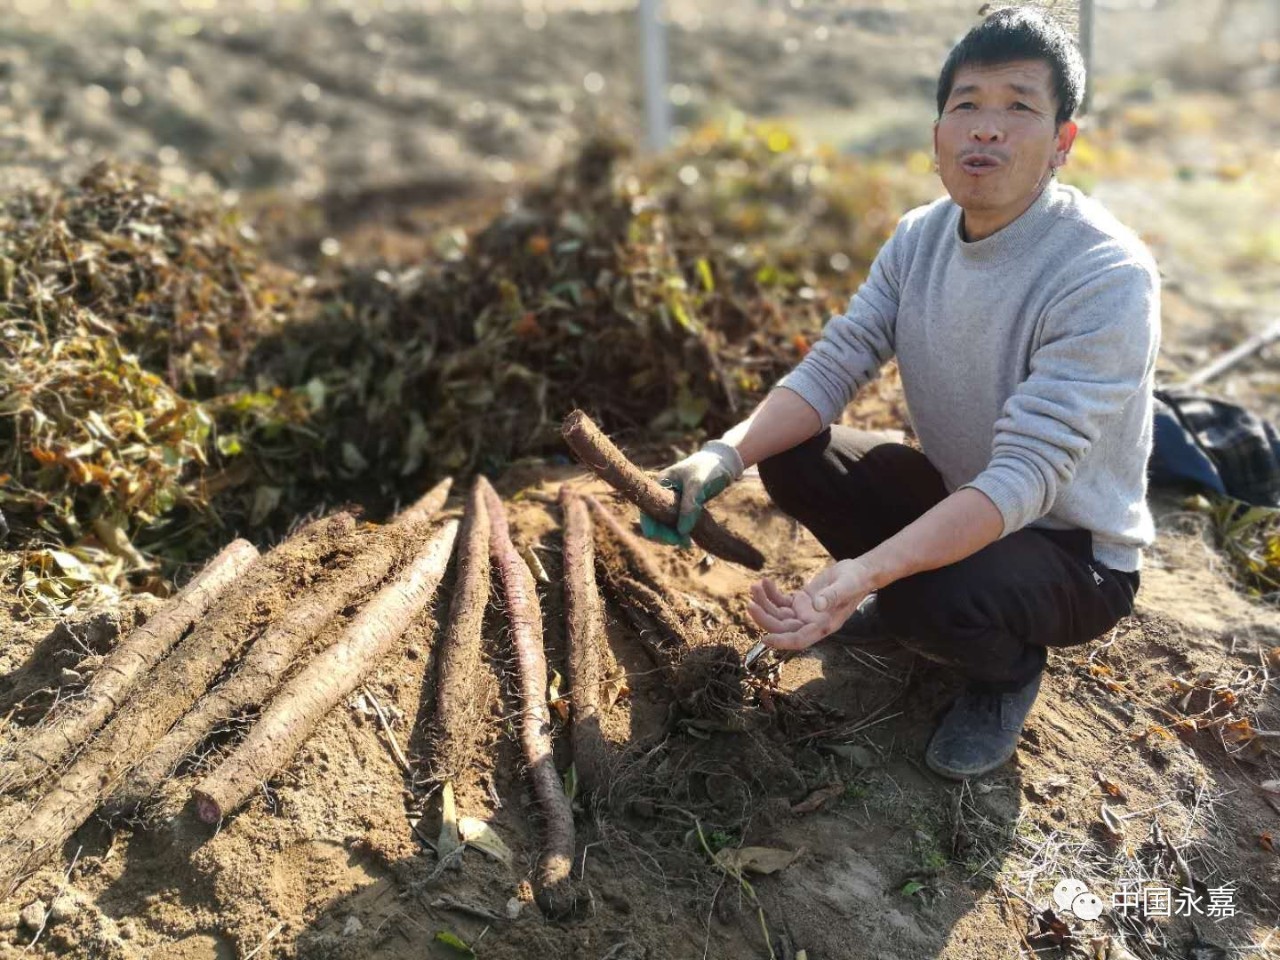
[[697, 479]]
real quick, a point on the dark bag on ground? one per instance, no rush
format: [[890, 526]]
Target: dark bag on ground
[[1215, 447]]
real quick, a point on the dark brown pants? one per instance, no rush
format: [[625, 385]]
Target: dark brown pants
[[991, 615]]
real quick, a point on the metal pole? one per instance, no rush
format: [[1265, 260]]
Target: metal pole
[[1086, 51], [657, 107]]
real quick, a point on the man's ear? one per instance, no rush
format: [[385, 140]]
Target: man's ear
[[1067, 131]]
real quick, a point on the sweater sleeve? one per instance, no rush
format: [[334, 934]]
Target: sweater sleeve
[[1098, 349], [855, 344]]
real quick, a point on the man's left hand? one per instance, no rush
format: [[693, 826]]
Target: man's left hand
[[799, 620]]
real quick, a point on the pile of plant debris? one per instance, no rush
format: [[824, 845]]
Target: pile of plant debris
[[665, 298], [124, 321], [164, 385]]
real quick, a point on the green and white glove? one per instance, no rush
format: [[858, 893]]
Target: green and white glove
[[697, 479]]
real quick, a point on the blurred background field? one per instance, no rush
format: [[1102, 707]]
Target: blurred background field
[[363, 245]]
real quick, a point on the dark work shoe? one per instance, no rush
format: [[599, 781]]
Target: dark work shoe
[[865, 623], [980, 731]]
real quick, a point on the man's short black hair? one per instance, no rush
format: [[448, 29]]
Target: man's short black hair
[[1019, 33]]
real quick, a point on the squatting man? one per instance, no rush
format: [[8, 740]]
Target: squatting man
[[1025, 321]]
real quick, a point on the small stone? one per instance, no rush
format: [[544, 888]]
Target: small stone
[[33, 915], [128, 930], [352, 927], [514, 906], [64, 907]]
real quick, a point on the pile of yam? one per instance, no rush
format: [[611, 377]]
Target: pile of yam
[[211, 654]]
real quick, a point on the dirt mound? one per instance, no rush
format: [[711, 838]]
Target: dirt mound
[[334, 857]]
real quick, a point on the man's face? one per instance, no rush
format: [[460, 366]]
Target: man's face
[[996, 140]]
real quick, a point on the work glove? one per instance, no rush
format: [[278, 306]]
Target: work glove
[[697, 479]]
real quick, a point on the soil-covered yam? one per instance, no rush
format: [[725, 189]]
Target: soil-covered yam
[[169, 692], [554, 887], [463, 686], [122, 669], [371, 557], [325, 681], [584, 626], [428, 505], [677, 623], [598, 452]]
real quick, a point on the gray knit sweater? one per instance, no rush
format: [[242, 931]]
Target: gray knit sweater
[[1026, 359]]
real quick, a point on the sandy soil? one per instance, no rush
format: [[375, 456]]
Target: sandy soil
[[331, 839]]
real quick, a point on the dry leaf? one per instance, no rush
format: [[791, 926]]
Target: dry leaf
[[557, 702], [477, 833], [115, 539], [1238, 731], [763, 860], [535, 564], [1114, 825], [448, 840], [819, 798], [1111, 788], [615, 687], [1267, 842], [1271, 786], [1052, 927]]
